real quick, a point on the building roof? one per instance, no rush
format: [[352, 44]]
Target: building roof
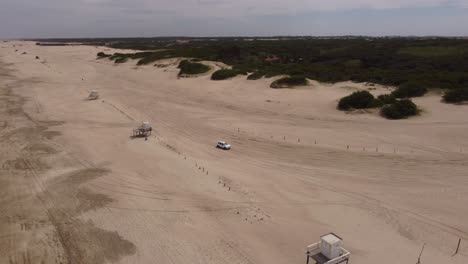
[[331, 238]]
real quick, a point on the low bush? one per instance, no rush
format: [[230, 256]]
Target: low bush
[[358, 100], [287, 82], [255, 76], [121, 60], [409, 89], [223, 74], [400, 109], [386, 99], [182, 63], [187, 67], [103, 55], [456, 95]]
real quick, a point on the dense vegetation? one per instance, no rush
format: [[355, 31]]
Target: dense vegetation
[[224, 74], [426, 62], [456, 95], [409, 89], [358, 100], [187, 67], [288, 82], [400, 109], [414, 65]]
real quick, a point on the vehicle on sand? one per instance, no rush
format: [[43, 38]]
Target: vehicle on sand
[[223, 145]]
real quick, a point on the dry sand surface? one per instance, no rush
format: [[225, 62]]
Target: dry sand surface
[[75, 188]]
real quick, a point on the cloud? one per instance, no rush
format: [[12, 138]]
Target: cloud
[[57, 18], [216, 8]]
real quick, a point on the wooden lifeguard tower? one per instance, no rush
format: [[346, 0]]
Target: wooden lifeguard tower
[[143, 130], [328, 250]]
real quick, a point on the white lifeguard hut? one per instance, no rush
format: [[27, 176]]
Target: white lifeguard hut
[[328, 251], [93, 95], [143, 130]]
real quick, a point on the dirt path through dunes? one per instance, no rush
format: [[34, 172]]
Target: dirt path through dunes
[[40, 215]]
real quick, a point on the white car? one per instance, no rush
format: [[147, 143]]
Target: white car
[[223, 145]]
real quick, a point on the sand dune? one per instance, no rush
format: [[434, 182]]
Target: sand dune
[[75, 188]]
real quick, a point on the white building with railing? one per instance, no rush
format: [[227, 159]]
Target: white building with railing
[[328, 251]]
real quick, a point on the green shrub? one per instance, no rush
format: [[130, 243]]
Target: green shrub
[[182, 63], [386, 99], [400, 109], [103, 55], [358, 100], [256, 75], [121, 60], [287, 82], [224, 74], [456, 95], [187, 67], [409, 89]]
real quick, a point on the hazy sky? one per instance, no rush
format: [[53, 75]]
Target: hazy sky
[[146, 18]]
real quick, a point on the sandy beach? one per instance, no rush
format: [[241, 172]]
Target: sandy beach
[[76, 188]]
